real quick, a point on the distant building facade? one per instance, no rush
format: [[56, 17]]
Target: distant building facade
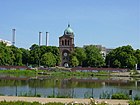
[[104, 50], [66, 46]]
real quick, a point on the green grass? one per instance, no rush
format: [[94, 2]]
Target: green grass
[[50, 103], [77, 74], [137, 102], [56, 73], [19, 72], [27, 103]]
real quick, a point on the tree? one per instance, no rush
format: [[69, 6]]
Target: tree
[[4, 54], [80, 55], [122, 57], [16, 56], [25, 56], [74, 61], [131, 62], [94, 57], [116, 63], [10, 55], [137, 55], [48, 59], [37, 52], [35, 55], [56, 52]]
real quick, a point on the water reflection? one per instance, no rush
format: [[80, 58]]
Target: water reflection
[[72, 87]]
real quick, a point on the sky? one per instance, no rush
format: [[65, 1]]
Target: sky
[[110, 23]]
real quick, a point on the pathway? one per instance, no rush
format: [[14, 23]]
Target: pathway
[[62, 100]]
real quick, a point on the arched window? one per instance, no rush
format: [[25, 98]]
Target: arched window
[[65, 42], [68, 42], [62, 42]]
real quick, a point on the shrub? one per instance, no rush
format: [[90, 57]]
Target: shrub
[[134, 102], [120, 96]]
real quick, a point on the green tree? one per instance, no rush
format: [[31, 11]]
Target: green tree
[[56, 53], [116, 63], [4, 54], [48, 59], [74, 61], [137, 55], [94, 57], [37, 52], [16, 56], [35, 55], [80, 55], [131, 62], [123, 57], [25, 56]]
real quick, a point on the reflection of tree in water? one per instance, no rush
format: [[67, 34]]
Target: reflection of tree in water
[[66, 89], [61, 87], [69, 83], [11, 83], [65, 92], [89, 84]]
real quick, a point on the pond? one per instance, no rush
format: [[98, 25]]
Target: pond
[[47, 86]]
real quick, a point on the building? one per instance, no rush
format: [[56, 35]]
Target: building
[[103, 50], [8, 43], [66, 46]]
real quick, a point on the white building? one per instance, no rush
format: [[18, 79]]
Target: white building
[[8, 43]]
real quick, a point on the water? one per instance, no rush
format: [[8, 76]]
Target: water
[[72, 87]]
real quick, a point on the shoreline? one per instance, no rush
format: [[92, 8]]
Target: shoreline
[[62, 100]]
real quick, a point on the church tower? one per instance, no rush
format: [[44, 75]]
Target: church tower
[[66, 46]]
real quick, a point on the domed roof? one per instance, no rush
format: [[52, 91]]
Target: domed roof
[[68, 30]]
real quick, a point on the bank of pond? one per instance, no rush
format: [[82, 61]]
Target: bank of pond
[[54, 87], [59, 103], [65, 84], [67, 73]]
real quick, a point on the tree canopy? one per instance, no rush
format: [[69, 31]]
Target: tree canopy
[[39, 53], [123, 57], [48, 59], [88, 56], [11, 55]]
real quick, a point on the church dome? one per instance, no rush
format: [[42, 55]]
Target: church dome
[[68, 30]]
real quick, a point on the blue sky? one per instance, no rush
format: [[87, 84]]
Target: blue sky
[[111, 23]]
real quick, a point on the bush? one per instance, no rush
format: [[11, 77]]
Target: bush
[[29, 94], [134, 102], [120, 96]]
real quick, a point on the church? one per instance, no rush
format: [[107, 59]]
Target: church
[[66, 46]]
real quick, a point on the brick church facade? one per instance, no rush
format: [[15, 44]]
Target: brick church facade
[[66, 46]]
